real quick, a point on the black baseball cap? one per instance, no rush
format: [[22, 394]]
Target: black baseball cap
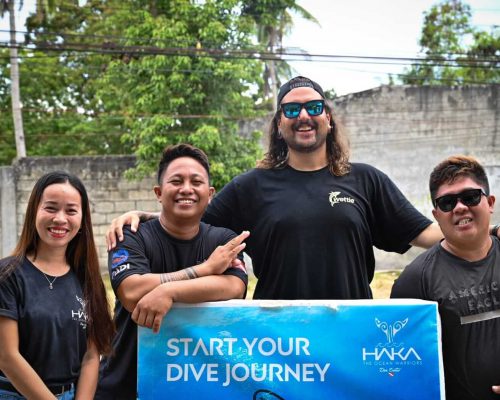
[[298, 81]]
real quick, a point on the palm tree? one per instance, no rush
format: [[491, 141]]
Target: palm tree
[[274, 21]]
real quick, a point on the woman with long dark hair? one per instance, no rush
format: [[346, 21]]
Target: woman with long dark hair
[[54, 316]]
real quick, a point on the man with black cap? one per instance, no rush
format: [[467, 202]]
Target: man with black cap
[[314, 217]]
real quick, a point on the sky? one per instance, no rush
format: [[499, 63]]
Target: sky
[[381, 28], [377, 28]]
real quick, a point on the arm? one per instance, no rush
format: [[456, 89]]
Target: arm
[[89, 373], [134, 287], [496, 389], [432, 234], [428, 237], [155, 305], [14, 365], [132, 218]]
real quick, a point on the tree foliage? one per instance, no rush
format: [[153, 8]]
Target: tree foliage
[[134, 76], [455, 52]]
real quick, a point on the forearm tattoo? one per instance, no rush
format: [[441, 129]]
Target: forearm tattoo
[[182, 275]]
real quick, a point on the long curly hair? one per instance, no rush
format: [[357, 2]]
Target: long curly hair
[[337, 146]]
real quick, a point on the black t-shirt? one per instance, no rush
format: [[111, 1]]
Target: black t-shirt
[[52, 323], [150, 250], [468, 295], [312, 233]]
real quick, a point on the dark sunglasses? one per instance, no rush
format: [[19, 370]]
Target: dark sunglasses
[[469, 198], [313, 108]]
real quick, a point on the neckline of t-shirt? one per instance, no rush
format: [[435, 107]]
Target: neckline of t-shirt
[[288, 166], [177, 240], [47, 275], [468, 264]]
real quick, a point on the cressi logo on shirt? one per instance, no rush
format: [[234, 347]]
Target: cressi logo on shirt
[[119, 257], [335, 198]]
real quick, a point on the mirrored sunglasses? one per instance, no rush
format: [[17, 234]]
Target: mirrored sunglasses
[[313, 108], [469, 198]]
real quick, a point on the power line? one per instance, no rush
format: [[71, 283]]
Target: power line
[[438, 57], [111, 48]]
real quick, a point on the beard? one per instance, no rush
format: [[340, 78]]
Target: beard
[[294, 144]]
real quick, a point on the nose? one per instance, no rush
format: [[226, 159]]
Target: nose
[[186, 187], [303, 114], [60, 217], [460, 207]]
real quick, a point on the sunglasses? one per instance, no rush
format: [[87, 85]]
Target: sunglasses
[[313, 108], [469, 198]]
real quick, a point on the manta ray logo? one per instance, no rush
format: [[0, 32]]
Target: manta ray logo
[[334, 199], [390, 330]]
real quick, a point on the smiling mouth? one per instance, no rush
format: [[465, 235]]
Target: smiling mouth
[[464, 221], [57, 231], [185, 201]]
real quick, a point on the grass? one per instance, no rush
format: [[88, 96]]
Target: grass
[[381, 285]]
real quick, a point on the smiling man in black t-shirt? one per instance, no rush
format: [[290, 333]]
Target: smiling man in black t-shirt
[[174, 258]]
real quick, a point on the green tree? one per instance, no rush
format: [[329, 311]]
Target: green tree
[[59, 105], [197, 94], [134, 76], [455, 52]]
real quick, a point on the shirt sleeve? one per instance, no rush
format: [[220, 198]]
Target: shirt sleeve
[[9, 295], [224, 208], [397, 221], [409, 284], [128, 258]]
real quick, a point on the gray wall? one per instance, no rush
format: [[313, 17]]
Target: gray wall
[[406, 130], [110, 193], [403, 130]]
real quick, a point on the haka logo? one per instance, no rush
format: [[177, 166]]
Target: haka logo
[[391, 351], [80, 315], [334, 199], [390, 330]]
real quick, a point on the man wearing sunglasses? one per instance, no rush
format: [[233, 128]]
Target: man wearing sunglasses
[[462, 274], [314, 217]]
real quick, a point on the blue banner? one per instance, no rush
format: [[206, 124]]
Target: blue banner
[[262, 350]]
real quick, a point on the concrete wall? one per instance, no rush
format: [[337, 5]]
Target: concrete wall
[[403, 130], [110, 193], [406, 130]]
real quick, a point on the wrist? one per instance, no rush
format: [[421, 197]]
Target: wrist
[[202, 269], [167, 291]]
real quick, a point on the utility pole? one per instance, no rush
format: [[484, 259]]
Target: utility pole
[[15, 87]]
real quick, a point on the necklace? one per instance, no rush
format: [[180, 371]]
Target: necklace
[[50, 282]]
